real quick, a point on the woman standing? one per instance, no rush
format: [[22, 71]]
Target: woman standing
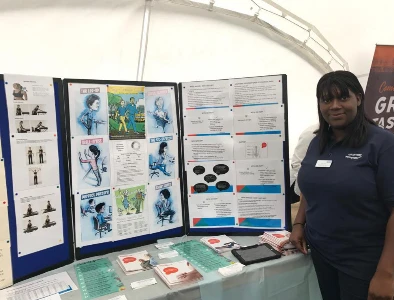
[[346, 212]]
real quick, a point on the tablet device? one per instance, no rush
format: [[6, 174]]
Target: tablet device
[[255, 253]]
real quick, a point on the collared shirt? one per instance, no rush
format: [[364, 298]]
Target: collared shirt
[[299, 153], [122, 110], [348, 204]]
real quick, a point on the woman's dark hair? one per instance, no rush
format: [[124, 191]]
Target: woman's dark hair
[[337, 85], [90, 99], [99, 207], [95, 151], [166, 193], [161, 147]]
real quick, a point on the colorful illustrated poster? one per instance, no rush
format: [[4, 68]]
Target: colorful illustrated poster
[[131, 211], [38, 218], [31, 104], [93, 217], [160, 110], [88, 109], [126, 111], [91, 162], [165, 209], [163, 157]]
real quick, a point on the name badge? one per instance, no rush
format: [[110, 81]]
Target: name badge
[[323, 163]]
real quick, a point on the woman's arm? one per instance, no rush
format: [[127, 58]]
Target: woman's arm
[[301, 218], [386, 263], [297, 237]]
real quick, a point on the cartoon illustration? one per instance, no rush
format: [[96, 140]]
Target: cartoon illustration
[[148, 262], [121, 113], [92, 155], [19, 92], [103, 221], [164, 207], [162, 162], [161, 116], [130, 200], [87, 118]]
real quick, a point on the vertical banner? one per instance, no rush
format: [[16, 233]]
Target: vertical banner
[[379, 94]]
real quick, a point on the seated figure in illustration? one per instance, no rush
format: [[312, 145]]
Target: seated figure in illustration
[[40, 128], [160, 115], [22, 129], [49, 207], [103, 221], [30, 227], [164, 205], [30, 212], [48, 222], [163, 160]]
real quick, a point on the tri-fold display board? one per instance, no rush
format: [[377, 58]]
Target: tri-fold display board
[[133, 162]]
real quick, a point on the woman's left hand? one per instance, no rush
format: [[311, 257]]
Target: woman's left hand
[[381, 286]]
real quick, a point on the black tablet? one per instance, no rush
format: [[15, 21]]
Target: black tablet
[[255, 253]]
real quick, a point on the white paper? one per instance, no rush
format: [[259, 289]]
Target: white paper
[[261, 210], [88, 109], [164, 245], [90, 162], [122, 297], [231, 269], [4, 225], [52, 297], [128, 161], [3, 185], [35, 161], [164, 205], [203, 148], [258, 147], [60, 283], [38, 218], [259, 120], [256, 90], [163, 157], [160, 110], [5, 265], [208, 121], [31, 104], [143, 283], [93, 216], [206, 94], [260, 176], [168, 254], [131, 215]]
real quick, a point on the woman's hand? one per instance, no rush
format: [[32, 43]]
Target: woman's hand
[[381, 286], [297, 238]]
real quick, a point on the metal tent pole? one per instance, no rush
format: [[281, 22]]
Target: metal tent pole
[[144, 40]]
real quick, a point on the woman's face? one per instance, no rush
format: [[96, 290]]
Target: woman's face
[[95, 105], [16, 86], [162, 197], [165, 149], [339, 113], [122, 102]]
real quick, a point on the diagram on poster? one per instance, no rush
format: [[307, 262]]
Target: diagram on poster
[[132, 211], [165, 210], [35, 161], [88, 109], [201, 148], [258, 147], [93, 217], [163, 158], [31, 104], [210, 177], [38, 218], [91, 162], [129, 161], [126, 112], [160, 114]]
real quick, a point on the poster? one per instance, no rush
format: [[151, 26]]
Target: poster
[[35, 161], [126, 111], [131, 217], [164, 205], [4, 224], [5, 265], [160, 110], [90, 162], [163, 158], [379, 94], [201, 148], [31, 104], [88, 109], [129, 159], [38, 218], [93, 217]]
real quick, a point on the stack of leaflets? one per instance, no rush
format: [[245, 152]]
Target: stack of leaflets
[[136, 262], [279, 240], [221, 243], [177, 273]]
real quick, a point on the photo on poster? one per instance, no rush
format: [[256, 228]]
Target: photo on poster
[[38, 218], [35, 155], [210, 177], [163, 154], [19, 92], [93, 211], [165, 210], [126, 113], [159, 109], [35, 178], [22, 110], [23, 126], [88, 109], [40, 126], [91, 162]]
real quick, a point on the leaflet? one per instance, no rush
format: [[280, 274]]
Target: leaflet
[[203, 148]]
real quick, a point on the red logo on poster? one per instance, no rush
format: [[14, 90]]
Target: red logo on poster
[[213, 241], [130, 259], [263, 145], [170, 270]]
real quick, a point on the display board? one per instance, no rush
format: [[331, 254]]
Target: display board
[[126, 163], [235, 140], [35, 163]]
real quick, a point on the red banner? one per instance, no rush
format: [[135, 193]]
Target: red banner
[[379, 94]]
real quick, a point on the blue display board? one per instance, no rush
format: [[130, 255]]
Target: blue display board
[[39, 262]]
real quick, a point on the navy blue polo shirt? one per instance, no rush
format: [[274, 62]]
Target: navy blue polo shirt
[[349, 203]]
